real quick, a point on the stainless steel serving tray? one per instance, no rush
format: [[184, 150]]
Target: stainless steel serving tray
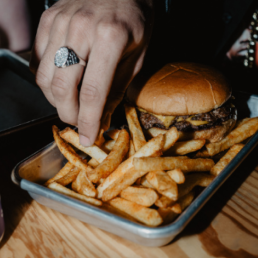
[[44, 164]]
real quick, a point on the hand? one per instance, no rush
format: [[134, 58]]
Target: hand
[[112, 36]]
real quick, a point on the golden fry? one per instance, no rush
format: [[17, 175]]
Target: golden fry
[[143, 196], [121, 183], [108, 145], [72, 137], [62, 189], [68, 151], [134, 127], [145, 215], [225, 160], [70, 177], [163, 184], [202, 154], [192, 180], [93, 163], [169, 163], [239, 134], [113, 160], [131, 151], [113, 134], [177, 175], [182, 148], [170, 213], [84, 185], [171, 136], [100, 139], [151, 148], [65, 170], [144, 182]]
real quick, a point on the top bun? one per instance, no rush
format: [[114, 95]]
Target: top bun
[[181, 89]]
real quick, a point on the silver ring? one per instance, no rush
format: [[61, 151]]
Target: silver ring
[[66, 56]]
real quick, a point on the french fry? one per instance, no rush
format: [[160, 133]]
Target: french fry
[[151, 148], [191, 181], [68, 151], [113, 160], [108, 145], [121, 183], [62, 189], [176, 208], [169, 163], [93, 163], [70, 177], [170, 213], [202, 154], [155, 131], [134, 127], [113, 134], [144, 182], [163, 184], [131, 151], [65, 170], [177, 175], [224, 161], [164, 202], [72, 137], [182, 148], [143, 196], [100, 139], [239, 134], [84, 185], [145, 215], [171, 136]]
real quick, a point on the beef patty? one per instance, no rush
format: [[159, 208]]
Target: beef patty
[[215, 117]]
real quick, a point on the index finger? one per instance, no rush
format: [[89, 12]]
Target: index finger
[[104, 58]]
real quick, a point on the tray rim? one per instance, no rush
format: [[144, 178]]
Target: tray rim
[[176, 225]]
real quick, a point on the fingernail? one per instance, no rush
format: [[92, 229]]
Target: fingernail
[[84, 141]]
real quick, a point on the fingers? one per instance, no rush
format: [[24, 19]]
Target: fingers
[[42, 38], [104, 57], [46, 69], [65, 81]]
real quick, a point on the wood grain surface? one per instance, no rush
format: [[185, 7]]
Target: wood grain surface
[[227, 226]]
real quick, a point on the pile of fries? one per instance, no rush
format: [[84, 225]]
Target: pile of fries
[[149, 181]]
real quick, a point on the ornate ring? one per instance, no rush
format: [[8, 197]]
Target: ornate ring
[[66, 56]]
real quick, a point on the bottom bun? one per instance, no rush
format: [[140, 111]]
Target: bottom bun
[[215, 134]]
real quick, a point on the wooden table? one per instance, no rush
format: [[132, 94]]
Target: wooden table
[[227, 226]]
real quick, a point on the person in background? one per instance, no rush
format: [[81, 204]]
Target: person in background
[[15, 27]]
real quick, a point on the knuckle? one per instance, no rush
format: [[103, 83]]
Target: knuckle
[[82, 17], [59, 87], [47, 18], [42, 79], [89, 93], [62, 17], [110, 31]]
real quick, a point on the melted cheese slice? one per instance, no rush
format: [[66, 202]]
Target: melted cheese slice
[[196, 122], [167, 120]]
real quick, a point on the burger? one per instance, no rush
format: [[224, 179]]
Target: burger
[[194, 98]]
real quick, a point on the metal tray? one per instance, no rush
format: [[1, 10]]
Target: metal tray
[[36, 169], [21, 101]]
